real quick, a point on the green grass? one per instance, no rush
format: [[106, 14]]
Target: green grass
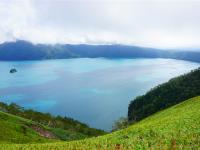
[[14, 129], [175, 128]]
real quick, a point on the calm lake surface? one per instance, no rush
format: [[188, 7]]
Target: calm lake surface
[[96, 91]]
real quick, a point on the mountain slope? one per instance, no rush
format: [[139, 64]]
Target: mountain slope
[[177, 127], [168, 94], [14, 129], [39, 127], [23, 50]]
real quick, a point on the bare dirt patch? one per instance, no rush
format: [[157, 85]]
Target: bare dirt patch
[[43, 132]]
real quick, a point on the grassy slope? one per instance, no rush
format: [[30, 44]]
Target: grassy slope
[[14, 129], [175, 128], [62, 127]]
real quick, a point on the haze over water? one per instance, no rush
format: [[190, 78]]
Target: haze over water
[[96, 91]]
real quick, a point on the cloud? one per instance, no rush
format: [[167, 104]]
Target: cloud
[[154, 23]]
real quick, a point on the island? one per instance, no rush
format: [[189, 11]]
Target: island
[[13, 70]]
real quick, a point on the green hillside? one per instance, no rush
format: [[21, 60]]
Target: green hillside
[[177, 127], [165, 95], [15, 129], [20, 130]]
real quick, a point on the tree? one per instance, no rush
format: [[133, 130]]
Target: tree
[[165, 95], [121, 123]]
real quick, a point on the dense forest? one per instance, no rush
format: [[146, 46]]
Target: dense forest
[[165, 95], [23, 50], [47, 119]]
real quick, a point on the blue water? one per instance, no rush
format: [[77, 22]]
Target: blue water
[[96, 91]]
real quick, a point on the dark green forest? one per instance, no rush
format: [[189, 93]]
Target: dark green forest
[[49, 120], [165, 95]]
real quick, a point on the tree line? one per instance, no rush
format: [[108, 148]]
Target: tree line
[[165, 95]]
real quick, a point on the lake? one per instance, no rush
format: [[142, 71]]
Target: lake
[[95, 91]]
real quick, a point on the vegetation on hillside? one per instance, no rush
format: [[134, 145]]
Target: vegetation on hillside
[[174, 128], [14, 129], [165, 95], [63, 128], [121, 123]]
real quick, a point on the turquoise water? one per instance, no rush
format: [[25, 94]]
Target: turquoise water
[[96, 91]]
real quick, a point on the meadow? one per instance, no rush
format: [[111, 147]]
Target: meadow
[[177, 127]]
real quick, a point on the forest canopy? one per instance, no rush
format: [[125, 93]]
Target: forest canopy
[[165, 95]]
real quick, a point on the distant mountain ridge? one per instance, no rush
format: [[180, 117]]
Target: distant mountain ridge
[[23, 50]]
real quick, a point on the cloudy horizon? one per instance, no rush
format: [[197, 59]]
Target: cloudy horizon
[[152, 23]]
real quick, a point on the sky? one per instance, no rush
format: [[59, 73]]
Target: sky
[[151, 23]]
